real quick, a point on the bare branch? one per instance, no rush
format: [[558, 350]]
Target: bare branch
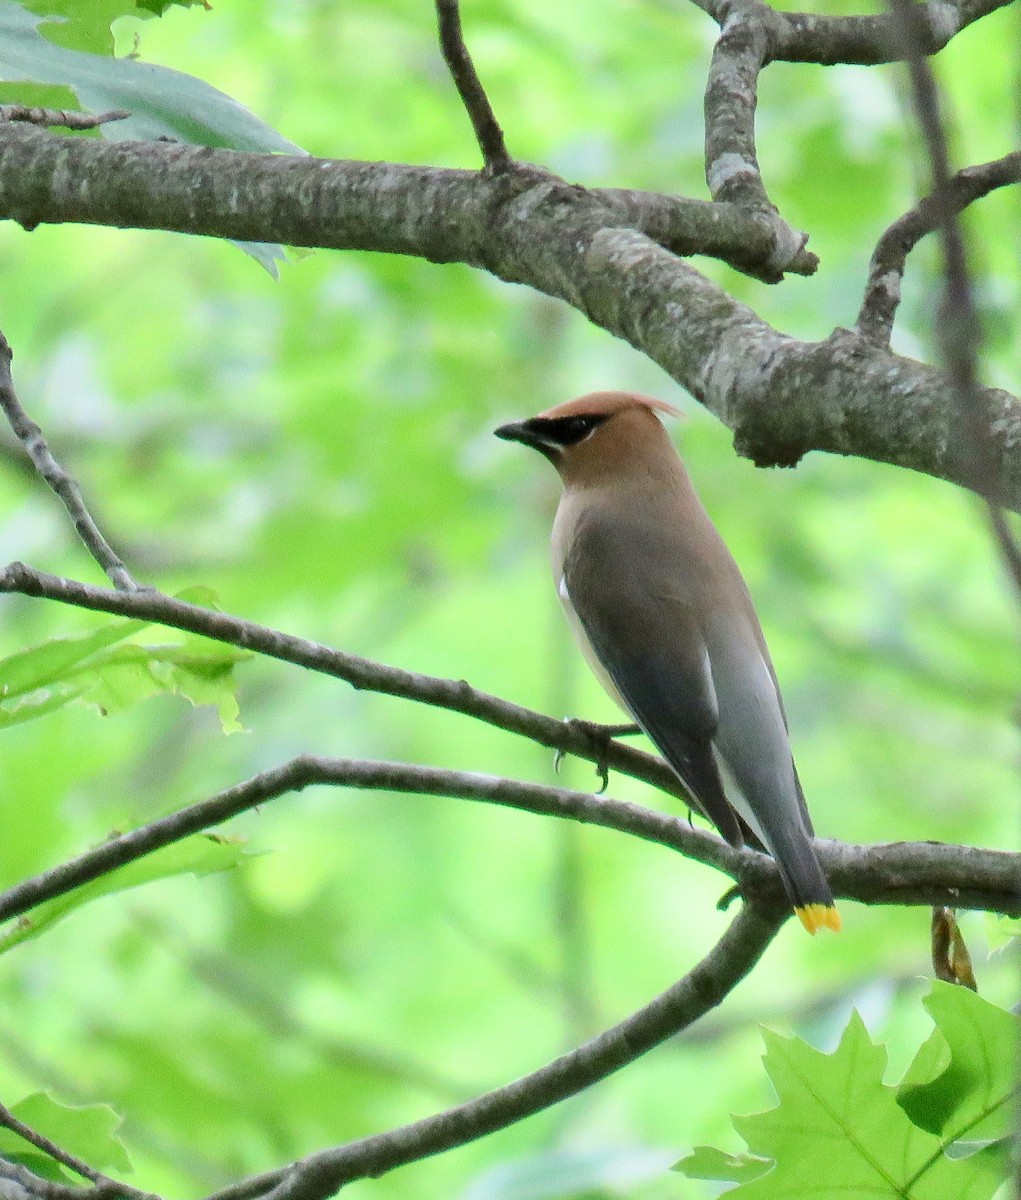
[[882, 292], [782, 397], [731, 167], [454, 695], [903, 873], [299, 773], [700, 990], [932, 874], [31, 437], [60, 116], [9, 1121], [958, 325], [809, 37], [469, 87], [442, 214], [552, 237]]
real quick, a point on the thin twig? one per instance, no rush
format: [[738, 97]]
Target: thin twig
[[49, 117], [454, 695], [700, 990], [958, 324], [9, 1121], [462, 70], [886, 269], [31, 437]]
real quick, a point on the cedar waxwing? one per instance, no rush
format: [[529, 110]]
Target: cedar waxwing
[[664, 617]]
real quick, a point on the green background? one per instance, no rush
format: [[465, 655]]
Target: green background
[[318, 451]]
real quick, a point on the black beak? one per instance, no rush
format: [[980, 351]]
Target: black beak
[[520, 431], [516, 431]]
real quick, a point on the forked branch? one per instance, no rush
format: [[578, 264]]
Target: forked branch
[[31, 437], [886, 269]]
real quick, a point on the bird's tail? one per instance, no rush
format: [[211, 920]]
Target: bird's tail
[[804, 881]]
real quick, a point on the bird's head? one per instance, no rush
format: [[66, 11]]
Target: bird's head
[[598, 433]]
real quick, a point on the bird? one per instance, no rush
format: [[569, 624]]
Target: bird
[[664, 617]]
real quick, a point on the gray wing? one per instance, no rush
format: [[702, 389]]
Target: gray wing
[[649, 641]]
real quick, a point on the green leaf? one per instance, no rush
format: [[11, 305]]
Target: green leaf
[[706, 1162], [838, 1131], [159, 7], [28, 670], [201, 854], [1000, 930], [89, 1131], [98, 668], [966, 1086], [81, 24], [163, 103]]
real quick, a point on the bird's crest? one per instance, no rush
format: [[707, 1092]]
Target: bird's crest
[[606, 404]]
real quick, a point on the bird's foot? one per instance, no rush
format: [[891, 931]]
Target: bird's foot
[[600, 736]]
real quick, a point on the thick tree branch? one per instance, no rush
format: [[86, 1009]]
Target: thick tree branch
[[731, 167], [469, 87], [858, 40], [430, 212], [31, 437], [782, 397]]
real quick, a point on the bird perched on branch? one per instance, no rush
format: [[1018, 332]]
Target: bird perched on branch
[[663, 615]]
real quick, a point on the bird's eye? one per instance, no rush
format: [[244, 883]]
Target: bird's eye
[[577, 427], [569, 430]]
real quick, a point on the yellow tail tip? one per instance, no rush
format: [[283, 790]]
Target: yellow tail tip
[[815, 916]]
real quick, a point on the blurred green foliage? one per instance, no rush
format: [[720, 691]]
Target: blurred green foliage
[[318, 451]]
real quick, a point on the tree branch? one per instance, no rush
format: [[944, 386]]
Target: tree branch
[[469, 87], [902, 873], [782, 397], [9, 1121], [958, 325], [455, 695], [700, 990], [307, 770], [60, 116], [886, 269], [731, 166], [31, 437], [868, 40]]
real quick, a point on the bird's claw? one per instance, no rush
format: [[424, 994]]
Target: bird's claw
[[600, 736]]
